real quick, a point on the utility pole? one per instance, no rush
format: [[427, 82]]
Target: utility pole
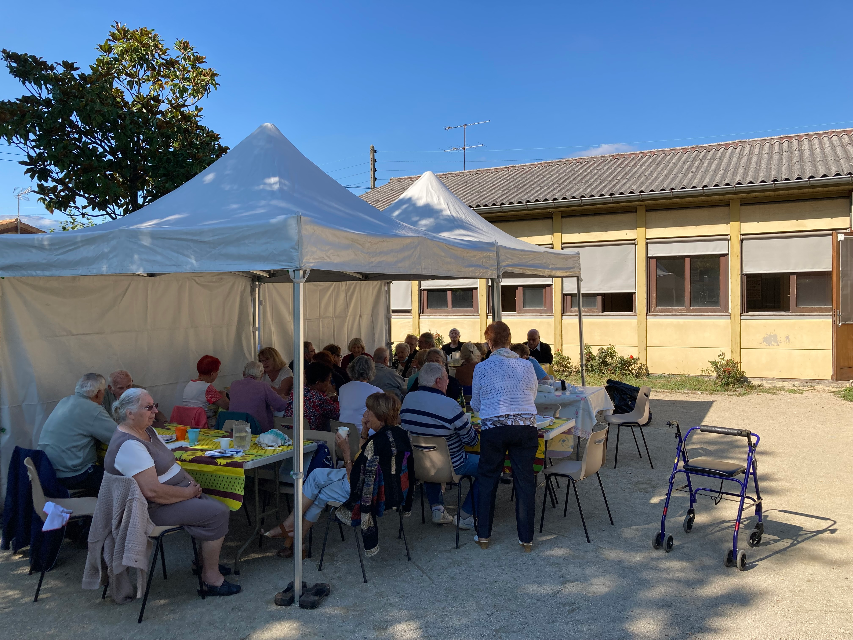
[[465, 146], [372, 167], [21, 194]]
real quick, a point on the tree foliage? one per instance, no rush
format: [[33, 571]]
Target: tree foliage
[[109, 141]]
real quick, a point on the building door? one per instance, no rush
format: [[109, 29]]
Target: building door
[[843, 307]]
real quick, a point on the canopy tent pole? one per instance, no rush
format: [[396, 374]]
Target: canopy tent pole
[[388, 342], [298, 276], [496, 299], [580, 333], [256, 312]]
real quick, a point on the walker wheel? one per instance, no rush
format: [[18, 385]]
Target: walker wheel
[[741, 560], [670, 543], [754, 539], [730, 558], [688, 522], [657, 543]]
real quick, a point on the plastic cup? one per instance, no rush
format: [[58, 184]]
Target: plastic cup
[[192, 436], [224, 443], [180, 433], [344, 431]]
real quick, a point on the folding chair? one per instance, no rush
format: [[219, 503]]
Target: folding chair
[[575, 471], [638, 418], [432, 464], [80, 507]]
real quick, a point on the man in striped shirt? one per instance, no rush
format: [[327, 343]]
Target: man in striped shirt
[[429, 412]]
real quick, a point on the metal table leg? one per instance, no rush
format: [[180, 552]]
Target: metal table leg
[[260, 516]]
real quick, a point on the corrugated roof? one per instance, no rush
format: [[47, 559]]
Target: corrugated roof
[[10, 225], [777, 159]]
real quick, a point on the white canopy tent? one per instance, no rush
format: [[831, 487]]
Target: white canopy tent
[[430, 206], [262, 211]]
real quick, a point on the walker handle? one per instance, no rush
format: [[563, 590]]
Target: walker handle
[[725, 431]]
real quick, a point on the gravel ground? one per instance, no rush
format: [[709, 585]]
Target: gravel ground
[[797, 583]]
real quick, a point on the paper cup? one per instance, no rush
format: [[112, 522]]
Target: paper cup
[[224, 443], [344, 431]]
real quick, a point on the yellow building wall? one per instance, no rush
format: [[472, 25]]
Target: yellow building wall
[[686, 345], [787, 347], [601, 331], [537, 231], [469, 326], [802, 215], [685, 223], [400, 326], [599, 228]]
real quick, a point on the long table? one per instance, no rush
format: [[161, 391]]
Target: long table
[[225, 478]]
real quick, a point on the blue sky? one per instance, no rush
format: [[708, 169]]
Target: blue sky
[[555, 79]]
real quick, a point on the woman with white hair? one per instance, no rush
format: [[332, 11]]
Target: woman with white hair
[[254, 396], [356, 348], [353, 394], [174, 498]]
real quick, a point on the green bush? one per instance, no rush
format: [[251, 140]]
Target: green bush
[[439, 339], [727, 372], [606, 362]]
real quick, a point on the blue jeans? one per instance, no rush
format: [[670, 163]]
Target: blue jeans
[[433, 489]]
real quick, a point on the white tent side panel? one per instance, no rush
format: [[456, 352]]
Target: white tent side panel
[[56, 329], [335, 312]]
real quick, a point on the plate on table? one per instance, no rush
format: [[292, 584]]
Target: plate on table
[[167, 438], [224, 453], [544, 421]]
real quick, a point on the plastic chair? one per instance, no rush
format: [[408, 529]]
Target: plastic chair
[[433, 464], [80, 507], [224, 416], [193, 417], [157, 536], [575, 471], [638, 418]]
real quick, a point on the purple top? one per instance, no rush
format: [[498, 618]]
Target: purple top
[[256, 398]]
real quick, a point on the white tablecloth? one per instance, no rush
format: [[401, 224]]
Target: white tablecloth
[[582, 406]]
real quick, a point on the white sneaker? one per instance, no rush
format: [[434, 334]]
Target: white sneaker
[[440, 516], [465, 523]]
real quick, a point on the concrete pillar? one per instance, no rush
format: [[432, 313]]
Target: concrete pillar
[[734, 276], [557, 232], [482, 302], [416, 307], [642, 284]]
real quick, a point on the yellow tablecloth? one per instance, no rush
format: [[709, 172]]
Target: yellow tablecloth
[[539, 460]]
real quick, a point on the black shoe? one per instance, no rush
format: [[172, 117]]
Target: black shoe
[[312, 598], [285, 598], [225, 589], [223, 569]]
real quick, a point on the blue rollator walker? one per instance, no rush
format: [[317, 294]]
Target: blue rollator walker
[[718, 470]]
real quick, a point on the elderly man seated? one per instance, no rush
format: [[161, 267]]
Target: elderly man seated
[[253, 396], [386, 378], [119, 382], [429, 412], [71, 432], [454, 388]]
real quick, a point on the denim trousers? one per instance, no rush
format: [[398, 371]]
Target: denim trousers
[[521, 441], [433, 489], [89, 482]]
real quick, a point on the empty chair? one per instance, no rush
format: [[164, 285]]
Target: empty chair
[[638, 418], [194, 417], [575, 471], [79, 507], [433, 464]]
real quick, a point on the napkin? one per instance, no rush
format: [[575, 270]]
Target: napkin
[[57, 517], [273, 439]]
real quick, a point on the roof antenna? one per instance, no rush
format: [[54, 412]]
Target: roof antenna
[[21, 194], [465, 146]]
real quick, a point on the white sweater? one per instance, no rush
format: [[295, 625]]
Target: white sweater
[[503, 384]]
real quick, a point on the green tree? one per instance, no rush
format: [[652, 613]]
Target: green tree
[[109, 141]]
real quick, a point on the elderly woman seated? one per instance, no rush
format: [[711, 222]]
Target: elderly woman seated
[[353, 394], [388, 450], [201, 392], [276, 373], [356, 348], [454, 388], [174, 498], [320, 403], [401, 355], [329, 360], [337, 359], [523, 352], [470, 356], [254, 396]]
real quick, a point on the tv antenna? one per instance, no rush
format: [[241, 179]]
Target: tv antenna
[[21, 194], [465, 145]]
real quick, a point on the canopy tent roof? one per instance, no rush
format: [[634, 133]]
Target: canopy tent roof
[[430, 206], [263, 207]]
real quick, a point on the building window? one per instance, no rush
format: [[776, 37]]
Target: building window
[[788, 292], [600, 303], [692, 284], [533, 299], [449, 301]]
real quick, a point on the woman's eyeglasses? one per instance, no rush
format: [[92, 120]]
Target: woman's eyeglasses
[[151, 407]]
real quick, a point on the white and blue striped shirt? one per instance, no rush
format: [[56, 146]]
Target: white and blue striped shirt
[[428, 412]]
